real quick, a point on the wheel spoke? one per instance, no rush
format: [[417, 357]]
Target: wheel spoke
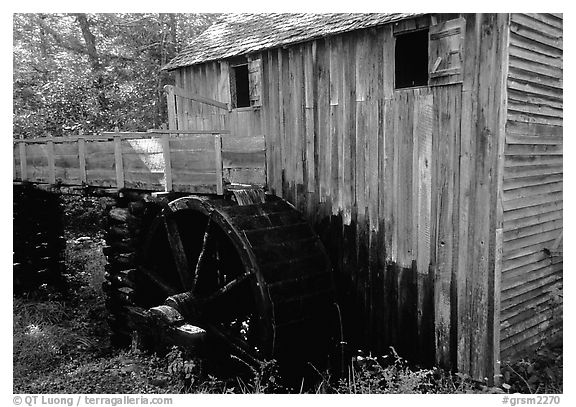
[[227, 288], [240, 347], [150, 236], [159, 281], [203, 254], [178, 253]]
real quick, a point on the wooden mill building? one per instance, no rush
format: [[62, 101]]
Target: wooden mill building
[[427, 151]]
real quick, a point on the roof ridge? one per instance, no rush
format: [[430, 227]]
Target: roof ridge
[[242, 33]]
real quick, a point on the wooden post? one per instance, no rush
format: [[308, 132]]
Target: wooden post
[[118, 160], [50, 154], [167, 162], [218, 157], [14, 167], [23, 166], [171, 105], [82, 157]]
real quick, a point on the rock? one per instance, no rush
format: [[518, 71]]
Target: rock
[[82, 239]]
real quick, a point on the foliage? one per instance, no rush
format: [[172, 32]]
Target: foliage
[[85, 215], [183, 370], [539, 372], [93, 72], [264, 379], [391, 374]]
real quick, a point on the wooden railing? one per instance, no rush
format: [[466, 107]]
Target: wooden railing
[[168, 160]]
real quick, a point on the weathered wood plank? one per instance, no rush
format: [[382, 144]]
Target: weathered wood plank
[[531, 170], [531, 303], [181, 178], [525, 274], [167, 162], [23, 161], [526, 65], [510, 253], [517, 52], [511, 235], [218, 163], [447, 131], [534, 180], [274, 147], [66, 161], [192, 161], [204, 143], [254, 176], [516, 160], [532, 210], [530, 323], [388, 58], [534, 23], [171, 107], [532, 190], [244, 160], [466, 192], [542, 38], [536, 80], [183, 93], [488, 133], [528, 241], [533, 220], [50, 157], [541, 111], [531, 293], [548, 20], [551, 332], [534, 129], [529, 201], [520, 116], [533, 149], [243, 144], [17, 171], [552, 141], [540, 319], [534, 88]]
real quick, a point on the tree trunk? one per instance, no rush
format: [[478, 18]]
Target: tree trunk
[[92, 52]]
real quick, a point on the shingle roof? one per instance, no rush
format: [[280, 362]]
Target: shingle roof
[[238, 34]]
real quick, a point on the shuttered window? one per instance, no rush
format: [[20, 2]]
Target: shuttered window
[[446, 52], [239, 89], [246, 84], [255, 81]]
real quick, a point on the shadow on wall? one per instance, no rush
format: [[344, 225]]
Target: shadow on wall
[[383, 304]]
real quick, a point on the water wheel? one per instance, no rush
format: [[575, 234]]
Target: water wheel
[[38, 240], [254, 277]]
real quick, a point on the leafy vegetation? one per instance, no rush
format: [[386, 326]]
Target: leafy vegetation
[[538, 372], [93, 72]]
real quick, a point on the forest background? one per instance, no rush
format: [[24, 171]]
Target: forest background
[[93, 72]]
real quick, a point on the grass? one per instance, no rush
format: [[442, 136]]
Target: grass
[[61, 345]]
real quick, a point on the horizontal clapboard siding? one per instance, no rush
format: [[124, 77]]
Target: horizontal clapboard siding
[[533, 184]]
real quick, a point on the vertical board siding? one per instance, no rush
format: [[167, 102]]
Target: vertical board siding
[[401, 185], [366, 161], [207, 80], [532, 188]]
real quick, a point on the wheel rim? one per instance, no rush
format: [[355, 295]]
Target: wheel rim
[[195, 261]]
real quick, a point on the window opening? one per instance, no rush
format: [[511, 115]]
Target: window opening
[[411, 59], [240, 86]]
